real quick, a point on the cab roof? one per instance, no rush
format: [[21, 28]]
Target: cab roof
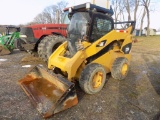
[[88, 6], [12, 26]]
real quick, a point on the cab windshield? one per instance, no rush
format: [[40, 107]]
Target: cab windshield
[[65, 19], [78, 25], [77, 29]]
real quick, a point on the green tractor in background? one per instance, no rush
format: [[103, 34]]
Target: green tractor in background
[[7, 41]]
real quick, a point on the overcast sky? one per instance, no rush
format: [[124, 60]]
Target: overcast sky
[[23, 11]]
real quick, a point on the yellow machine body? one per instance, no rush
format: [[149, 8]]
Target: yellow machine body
[[73, 66], [84, 57]]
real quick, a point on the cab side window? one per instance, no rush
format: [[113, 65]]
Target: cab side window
[[65, 19], [101, 26]]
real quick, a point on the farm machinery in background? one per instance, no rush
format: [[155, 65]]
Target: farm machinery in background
[[44, 38], [35, 38], [7, 41], [92, 49]]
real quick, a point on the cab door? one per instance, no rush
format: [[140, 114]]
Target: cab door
[[101, 25]]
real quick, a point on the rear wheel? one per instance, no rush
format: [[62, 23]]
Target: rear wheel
[[93, 78], [120, 68], [53, 44], [42, 49]]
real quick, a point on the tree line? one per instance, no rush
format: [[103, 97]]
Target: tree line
[[51, 14], [123, 8]]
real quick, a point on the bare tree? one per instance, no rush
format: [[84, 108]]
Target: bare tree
[[128, 8], [51, 14], [131, 5], [61, 5], [117, 8], [123, 7], [142, 19], [136, 4], [146, 4], [40, 19]]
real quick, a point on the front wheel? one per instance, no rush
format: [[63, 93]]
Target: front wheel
[[120, 68], [93, 78]]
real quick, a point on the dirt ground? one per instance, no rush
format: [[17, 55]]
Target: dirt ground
[[135, 98]]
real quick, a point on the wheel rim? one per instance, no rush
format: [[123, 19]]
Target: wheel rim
[[97, 80], [124, 69]]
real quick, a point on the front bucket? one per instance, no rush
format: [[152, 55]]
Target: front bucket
[[4, 51], [50, 93]]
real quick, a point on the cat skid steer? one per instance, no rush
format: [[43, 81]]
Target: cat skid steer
[[93, 48]]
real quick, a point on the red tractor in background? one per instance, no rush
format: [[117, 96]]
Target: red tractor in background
[[44, 38]]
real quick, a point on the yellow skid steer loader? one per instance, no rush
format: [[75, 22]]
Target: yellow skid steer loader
[[93, 48]]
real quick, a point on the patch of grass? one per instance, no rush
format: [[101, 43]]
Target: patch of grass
[[147, 44]]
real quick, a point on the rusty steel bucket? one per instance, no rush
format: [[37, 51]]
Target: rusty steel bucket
[[4, 50], [50, 93]]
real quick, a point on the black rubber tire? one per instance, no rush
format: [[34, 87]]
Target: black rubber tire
[[42, 48], [117, 68], [87, 75], [53, 44]]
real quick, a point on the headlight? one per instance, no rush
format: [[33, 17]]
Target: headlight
[[127, 49]]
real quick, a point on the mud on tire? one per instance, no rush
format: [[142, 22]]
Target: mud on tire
[[53, 44], [87, 78], [120, 68], [42, 48]]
